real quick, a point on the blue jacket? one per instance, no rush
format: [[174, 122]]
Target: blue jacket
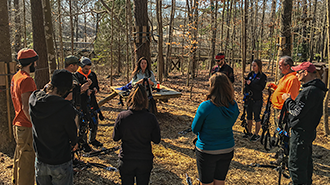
[[213, 126]]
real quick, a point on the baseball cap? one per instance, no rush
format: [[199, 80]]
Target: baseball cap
[[307, 66], [71, 59]]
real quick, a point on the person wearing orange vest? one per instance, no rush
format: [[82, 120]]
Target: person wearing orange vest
[[289, 83], [85, 74], [22, 85]]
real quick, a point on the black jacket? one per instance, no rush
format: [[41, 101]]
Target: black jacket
[[136, 130], [307, 109], [85, 99], [257, 84], [53, 127], [227, 70]]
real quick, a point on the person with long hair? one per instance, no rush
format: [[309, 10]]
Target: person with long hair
[[143, 70], [213, 124], [255, 84], [136, 128]]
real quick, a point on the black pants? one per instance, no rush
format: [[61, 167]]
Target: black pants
[[140, 169], [300, 159]]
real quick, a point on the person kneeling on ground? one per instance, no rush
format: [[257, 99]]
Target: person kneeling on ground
[[54, 130], [136, 128]]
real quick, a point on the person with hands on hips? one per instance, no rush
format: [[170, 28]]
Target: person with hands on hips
[[255, 83], [143, 70]]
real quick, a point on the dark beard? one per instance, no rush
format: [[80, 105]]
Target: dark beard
[[32, 68]]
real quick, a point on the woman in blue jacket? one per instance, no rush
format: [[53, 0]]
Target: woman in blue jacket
[[213, 124]]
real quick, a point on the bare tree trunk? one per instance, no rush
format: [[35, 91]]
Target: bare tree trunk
[[285, 31], [160, 63], [6, 136], [39, 44], [142, 42], [214, 13], [326, 100], [60, 60], [24, 26], [17, 42], [271, 34], [127, 40], [119, 53], [233, 27], [49, 36], [130, 25], [244, 21], [304, 31], [76, 19], [222, 22], [262, 26], [228, 18], [190, 21], [252, 32], [111, 44], [71, 26], [311, 42], [170, 35], [194, 49]]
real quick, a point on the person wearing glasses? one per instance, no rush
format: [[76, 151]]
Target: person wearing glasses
[[289, 83], [305, 113]]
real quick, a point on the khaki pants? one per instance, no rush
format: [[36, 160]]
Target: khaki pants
[[24, 156]]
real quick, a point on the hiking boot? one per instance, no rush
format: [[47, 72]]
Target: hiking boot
[[247, 135], [86, 147], [255, 137], [96, 143]]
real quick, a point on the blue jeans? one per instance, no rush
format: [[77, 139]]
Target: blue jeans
[[61, 174]]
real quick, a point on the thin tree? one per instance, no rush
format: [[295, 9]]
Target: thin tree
[[60, 38], [39, 44], [311, 42], [49, 36], [326, 99], [5, 56], [244, 21], [195, 41], [170, 35], [71, 26], [160, 63], [17, 42], [214, 13]]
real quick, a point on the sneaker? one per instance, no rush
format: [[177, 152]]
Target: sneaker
[[86, 147], [247, 135], [255, 137], [96, 143]]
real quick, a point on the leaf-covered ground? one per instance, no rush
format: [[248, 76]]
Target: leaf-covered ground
[[174, 156]]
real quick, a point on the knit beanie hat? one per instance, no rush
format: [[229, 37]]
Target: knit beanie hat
[[62, 78], [71, 59], [26, 56], [85, 61]]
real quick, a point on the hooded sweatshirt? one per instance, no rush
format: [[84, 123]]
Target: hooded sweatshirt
[[307, 109], [213, 126], [53, 127]]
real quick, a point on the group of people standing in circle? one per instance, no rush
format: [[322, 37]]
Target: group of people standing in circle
[[136, 127]]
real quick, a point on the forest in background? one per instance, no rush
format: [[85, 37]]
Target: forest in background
[[172, 34]]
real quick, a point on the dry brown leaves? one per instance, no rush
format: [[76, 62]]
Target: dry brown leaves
[[174, 156]]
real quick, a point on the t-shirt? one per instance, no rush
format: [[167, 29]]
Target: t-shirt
[[287, 84], [21, 83]]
